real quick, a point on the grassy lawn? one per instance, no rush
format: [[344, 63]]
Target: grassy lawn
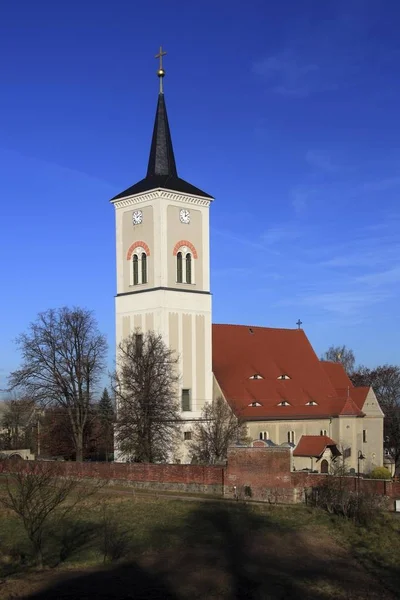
[[161, 547]]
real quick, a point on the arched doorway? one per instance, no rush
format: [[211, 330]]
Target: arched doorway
[[15, 456], [324, 466]]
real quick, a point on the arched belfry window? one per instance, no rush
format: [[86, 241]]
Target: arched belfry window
[[179, 269], [185, 272], [144, 267], [135, 269], [188, 268], [139, 266]]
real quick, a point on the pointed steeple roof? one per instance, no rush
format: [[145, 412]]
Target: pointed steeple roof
[[161, 170], [161, 159]]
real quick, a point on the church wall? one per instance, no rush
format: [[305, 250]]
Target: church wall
[[174, 330], [200, 324], [372, 449], [149, 322], [278, 430], [187, 351], [371, 406], [188, 332]]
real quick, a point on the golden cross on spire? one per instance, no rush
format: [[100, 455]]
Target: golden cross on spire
[[161, 72]]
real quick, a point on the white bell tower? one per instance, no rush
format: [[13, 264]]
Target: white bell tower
[[163, 265]]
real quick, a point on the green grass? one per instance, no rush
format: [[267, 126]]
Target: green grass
[[208, 549]]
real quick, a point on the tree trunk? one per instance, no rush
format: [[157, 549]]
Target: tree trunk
[[79, 446]]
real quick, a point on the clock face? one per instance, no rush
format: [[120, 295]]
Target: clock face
[[137, 217], [184, 216]]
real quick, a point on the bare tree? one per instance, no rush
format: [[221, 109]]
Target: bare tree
[[145, 387], [63, 359], [34, 491], [217, 429], [341, 354], [385, 381]]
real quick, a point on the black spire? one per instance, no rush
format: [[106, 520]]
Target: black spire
[[161, 160], [161, 170]]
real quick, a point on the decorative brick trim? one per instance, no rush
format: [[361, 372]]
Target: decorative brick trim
[[137, 245], [185, 243]]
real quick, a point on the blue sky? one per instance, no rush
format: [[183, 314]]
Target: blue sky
[[287, 112]]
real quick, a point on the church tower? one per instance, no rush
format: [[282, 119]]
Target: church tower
[[163, 265]]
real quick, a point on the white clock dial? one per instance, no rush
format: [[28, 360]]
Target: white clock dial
[[184, 216], [137, 217]]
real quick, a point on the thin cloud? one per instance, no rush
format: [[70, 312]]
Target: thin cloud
[[300, 196], [287, 75], [322, 161], [275, 235], [382, 278], [381, 185], [343, 303]]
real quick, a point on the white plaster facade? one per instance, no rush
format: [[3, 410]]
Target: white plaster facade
[[180, 312], [359, 434]]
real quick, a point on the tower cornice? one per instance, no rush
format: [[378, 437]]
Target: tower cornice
[[161, 193]]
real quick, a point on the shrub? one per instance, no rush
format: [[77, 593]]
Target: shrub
[[380, 473], [337, 498], [248, 491], [115, 542]]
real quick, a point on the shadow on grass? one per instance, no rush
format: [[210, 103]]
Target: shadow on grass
[[228, 552], [70, 537]]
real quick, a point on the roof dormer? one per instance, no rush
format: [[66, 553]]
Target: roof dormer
[[254, 404], [283, 376], [256, 376], [284, 403], [312, 403]]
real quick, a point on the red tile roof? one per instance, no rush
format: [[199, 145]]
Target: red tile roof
[[314, 446], [344, 385], [240, 352], [336, 374]]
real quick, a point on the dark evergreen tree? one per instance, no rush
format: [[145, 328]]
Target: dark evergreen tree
[[106, 413]]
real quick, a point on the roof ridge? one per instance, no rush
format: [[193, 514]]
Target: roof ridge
[[257, 327]]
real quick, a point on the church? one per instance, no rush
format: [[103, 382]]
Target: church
[[271, 378]]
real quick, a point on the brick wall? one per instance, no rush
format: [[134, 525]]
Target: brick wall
[[262, 472], [303, 481], [183, 478]]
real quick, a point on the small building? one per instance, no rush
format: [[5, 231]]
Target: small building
[[316, 453]]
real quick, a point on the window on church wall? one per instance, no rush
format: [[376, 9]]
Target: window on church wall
[[323, 432], [144, 268], [186, 403], [135, 270], [179, 269], [264, 435], [291, 438], [188, 268], [185, 266], [139, 267]]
